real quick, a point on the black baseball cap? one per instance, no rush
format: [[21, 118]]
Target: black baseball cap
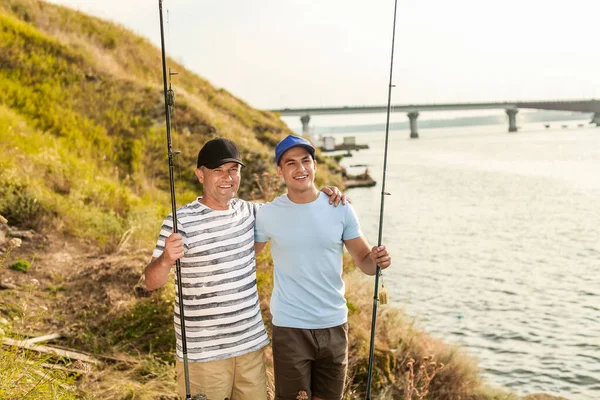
[[217, 152]]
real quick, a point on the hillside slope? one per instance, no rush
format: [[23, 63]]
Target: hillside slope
[[82, 124]]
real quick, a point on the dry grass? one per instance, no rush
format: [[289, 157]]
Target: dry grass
[[23, 374], [25, 378], [141, 378], [416, 386], [402, 347], [268, 187]]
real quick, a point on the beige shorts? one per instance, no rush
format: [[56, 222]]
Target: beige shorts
[[236, 378]]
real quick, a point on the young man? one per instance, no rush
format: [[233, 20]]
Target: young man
[[310, 331], [224, 328]]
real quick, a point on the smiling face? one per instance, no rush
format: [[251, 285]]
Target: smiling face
[[220, 184], [297, 168]]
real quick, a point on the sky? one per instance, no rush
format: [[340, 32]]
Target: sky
[[312, 53]]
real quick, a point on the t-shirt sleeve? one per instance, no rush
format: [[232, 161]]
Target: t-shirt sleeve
[[255, 207], [165, 231], [260, 231], [351, 225]]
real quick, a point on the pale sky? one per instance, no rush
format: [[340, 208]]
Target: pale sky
[[311, 53]]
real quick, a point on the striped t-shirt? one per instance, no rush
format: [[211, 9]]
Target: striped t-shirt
[[218, 276]]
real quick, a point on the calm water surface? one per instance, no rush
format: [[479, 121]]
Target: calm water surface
[[496, 239]]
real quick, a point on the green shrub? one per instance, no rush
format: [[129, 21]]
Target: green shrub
[[20, 207], [21, 265]]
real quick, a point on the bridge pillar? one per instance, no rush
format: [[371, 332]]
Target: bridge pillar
[[596, 119], [305, 120], [412, 116], [512, 119]]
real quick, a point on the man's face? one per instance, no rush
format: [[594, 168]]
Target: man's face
[[297, 168], [221, 183]]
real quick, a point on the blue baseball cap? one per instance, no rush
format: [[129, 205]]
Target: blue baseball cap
[[290, 142]]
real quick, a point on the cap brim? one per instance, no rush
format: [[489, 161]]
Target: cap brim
[[224, 161], [311, 150]]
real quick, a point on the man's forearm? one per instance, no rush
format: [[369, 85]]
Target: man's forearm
[[361, 254], [367, 265], [157, 273]]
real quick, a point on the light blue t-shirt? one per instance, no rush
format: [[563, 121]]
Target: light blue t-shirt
[[307, 246]]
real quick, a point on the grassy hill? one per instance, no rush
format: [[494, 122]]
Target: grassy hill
[[82, 120], [84, 172]]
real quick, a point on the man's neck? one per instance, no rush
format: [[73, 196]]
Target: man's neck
[[214, 204], [303, 197]]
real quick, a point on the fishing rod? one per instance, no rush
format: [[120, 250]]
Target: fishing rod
[[169, 102], [383, 194]]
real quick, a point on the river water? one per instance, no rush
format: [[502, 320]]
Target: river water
[[496, 245]]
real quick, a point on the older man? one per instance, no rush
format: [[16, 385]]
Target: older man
[[310, 331], [224, 328]]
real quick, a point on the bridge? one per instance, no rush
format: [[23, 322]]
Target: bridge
[[412, 110]]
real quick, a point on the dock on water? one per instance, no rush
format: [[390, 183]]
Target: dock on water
[[348, 145], [360, 180]]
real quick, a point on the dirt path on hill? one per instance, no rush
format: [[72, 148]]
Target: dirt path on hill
[[67, 279], [73, 289]]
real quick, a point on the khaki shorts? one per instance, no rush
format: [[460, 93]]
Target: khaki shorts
[[310, 360], [236, 378]]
